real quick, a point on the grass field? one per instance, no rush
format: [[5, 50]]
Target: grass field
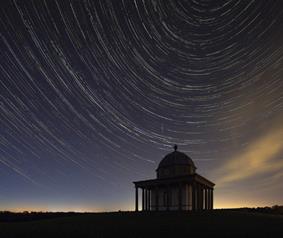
[[217, 223]]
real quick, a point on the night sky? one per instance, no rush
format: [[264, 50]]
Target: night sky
[[93, 94]]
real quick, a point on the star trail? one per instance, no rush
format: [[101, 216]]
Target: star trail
[[93, 94]]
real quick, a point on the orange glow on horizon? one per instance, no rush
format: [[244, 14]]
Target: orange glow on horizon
[[217, 205]]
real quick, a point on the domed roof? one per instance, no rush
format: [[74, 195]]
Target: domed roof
[[176, 158]]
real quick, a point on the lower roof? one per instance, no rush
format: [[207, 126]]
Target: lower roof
[[173, 180]]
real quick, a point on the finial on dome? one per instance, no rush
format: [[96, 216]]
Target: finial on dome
[[175, 147]]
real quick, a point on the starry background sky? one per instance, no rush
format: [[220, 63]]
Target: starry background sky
[[93, 94]]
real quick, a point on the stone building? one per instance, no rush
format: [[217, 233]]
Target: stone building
[[177, 186]]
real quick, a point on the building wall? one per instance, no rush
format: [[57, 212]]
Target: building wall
[[172, 194], [177, 170]]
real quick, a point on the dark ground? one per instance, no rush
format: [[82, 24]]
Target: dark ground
[[217, 223]]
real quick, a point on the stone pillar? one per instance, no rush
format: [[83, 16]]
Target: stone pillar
[[198, 197], [208, 198], [205, 198], [143, 199], [148, 200], [137, 199], [201, 197], [211, 198], [193, 197], [146, 197], [156, 199], [180, 197]]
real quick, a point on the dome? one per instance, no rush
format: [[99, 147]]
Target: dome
[[175, 164], [176, 158]]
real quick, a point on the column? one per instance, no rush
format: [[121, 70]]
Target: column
[[197, 198], [201, 197], [180, 197], [143, 199], [156, 199], [198, 195], [148, 200], [193, 197], [205, 198], [137, 199], [146, 197], [211, 198]]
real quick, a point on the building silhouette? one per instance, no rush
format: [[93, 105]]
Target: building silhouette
[[177, 186]]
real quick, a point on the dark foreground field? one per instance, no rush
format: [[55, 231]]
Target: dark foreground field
[[218, 223]]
